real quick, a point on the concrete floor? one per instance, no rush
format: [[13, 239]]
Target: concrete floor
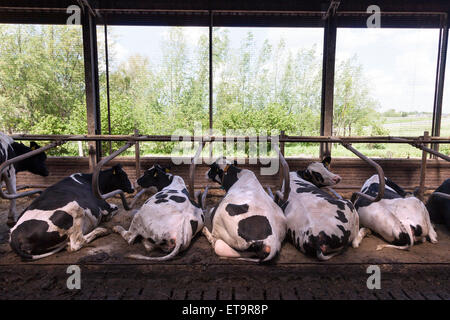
[[423, 272]]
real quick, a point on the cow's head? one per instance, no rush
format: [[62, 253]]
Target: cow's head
[[223, 172], [34, 164], [319, 174], [113, 179], [157, 176]]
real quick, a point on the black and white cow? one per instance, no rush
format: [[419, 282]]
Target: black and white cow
[[247, 224], [319, 224], [36, 164], [168, 220], [399, 218], [439, 207], [66, 214]]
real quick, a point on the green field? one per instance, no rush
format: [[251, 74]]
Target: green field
[[397, 126]]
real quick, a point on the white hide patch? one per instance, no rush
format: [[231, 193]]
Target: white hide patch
[[248, 191], [392, 217], [163, 218]]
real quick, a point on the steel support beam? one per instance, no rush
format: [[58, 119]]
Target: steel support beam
[[92, 85], [329, 54], [440, 76]]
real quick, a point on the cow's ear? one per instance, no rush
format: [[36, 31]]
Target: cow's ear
[[326, 161], [167, 170], [33, 145]]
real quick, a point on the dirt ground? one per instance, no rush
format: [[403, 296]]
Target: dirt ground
[[420, 273]]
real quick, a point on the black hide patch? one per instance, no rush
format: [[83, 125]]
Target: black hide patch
[[402, 240], [67, 190], [161, 196], [194, 225], [341, 216], [186, 193], [417, 230], [323, 242], [172, 191], [230, 178], [373, 191], [307, 188], [31, 238], [254, 228], [62, 219], [177, 199], [439, 207], [236, 209], [161, 201], [317, 176]]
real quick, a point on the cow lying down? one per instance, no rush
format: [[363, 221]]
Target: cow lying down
[[439, 207], [319, 224], [247, 224], [66, 214], [399, 219], [168, 220]]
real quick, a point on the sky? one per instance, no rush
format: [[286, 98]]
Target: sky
[[399, 64]]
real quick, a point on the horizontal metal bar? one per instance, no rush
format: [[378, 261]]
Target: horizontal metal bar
[[419, 145], [167, 138], [377, 168], [441, 194], [27, 155], [95, 178]]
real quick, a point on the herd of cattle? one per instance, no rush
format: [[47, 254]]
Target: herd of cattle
[[247, 224]]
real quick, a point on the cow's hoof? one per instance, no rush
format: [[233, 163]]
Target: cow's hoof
[[118, 229]]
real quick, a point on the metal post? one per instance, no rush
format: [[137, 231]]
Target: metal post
[[107, 83], [329, 54], [137, 155], [91, 81], [440, 76], [423, 168], [211, 21]]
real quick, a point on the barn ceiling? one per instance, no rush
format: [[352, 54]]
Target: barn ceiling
[[281, 13]]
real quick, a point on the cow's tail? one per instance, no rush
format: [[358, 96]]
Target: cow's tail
[[26, 256], [323, 257], [172, 254]]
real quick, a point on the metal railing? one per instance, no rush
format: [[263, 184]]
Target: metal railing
[[344, 141], [27, 155], [95, 178]]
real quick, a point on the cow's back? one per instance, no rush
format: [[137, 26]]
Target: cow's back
[[316, 219], [247, 214]]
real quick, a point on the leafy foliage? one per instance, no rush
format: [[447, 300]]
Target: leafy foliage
[[269, 89]]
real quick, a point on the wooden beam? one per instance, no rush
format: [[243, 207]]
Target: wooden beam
[[92, 85], [329, 55], [440, 76]]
